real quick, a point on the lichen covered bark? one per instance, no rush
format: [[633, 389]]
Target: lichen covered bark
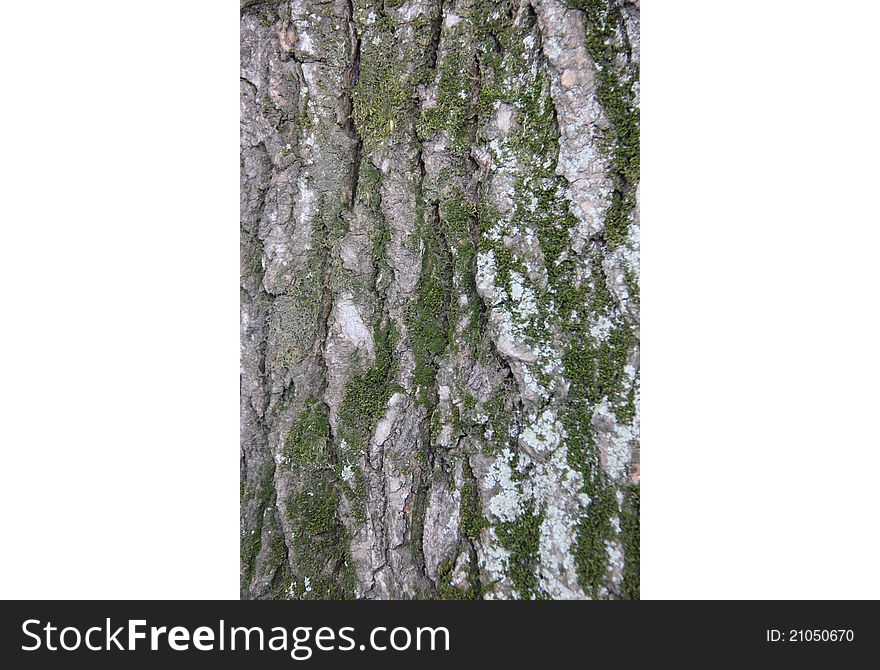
[[439, 299]]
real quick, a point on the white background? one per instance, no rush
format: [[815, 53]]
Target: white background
[[119, 261]]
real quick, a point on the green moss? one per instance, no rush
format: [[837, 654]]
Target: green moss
[[377, 104], [614, 88], [252, 542], [452, 245], [293, 319], [251, 263], [459, 220], [597, 369], [369, 185], [319, 555], [506, 263], [538, 202], [521, 538], [307, 441], [319, 543], [277, 547], [632, 284], [367, 393], [428, 315], [314, 510], [536, 133], [357, 495], [416, 521], [456, 218], [630, 536], [380, 243], [382, 94], [456, 82], [593, 529], [472, 520], [470, 589], [500, 411]]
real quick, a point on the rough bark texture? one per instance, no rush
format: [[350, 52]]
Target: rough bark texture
[[439, 299]]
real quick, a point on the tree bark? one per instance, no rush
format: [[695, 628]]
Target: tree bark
[[439, 299]]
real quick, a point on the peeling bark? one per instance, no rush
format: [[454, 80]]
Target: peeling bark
[[439, 299]]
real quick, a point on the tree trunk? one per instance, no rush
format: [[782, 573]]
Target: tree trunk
[[439, 299]]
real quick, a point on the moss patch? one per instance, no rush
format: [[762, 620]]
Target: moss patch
[[472, 520], [307, 441], [521, 538], [367, 393], [382, 93], [319, 541], [630, 534], [456, 83], [470, 589], [428, 315], [614, 88], [252, 542]]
